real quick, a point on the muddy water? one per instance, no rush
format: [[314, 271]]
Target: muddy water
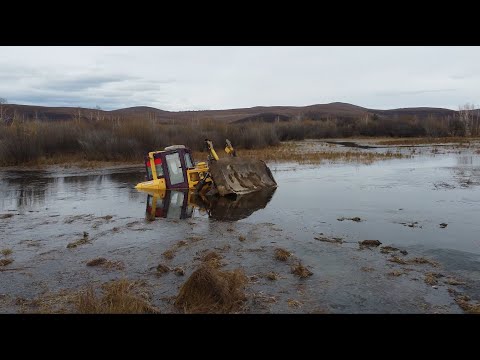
[[400, 202]]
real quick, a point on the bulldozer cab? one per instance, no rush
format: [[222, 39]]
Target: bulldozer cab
[[171, 165]]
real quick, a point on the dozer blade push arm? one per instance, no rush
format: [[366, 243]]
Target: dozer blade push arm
[[209, 145]]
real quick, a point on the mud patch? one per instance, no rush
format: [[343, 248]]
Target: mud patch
[[6, 216], [82, 241]]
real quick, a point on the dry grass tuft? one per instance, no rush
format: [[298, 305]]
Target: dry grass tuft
[[388, 249], [182, 243], [169, 254], [79, 242], [97, 262], [333, 240], [464, 302], [241, 238], [422, 260], [367, 269], [6, 252], [452, 281], [5, 262], [179, 271], [398, 260], [118, 297], [209, 290], [417, 260], [162, 269], [282, 254], [294, 303], [272, 276], [106, 264], [301, 271], [432, 278], [213, 259], [396, 273], [369, 243]]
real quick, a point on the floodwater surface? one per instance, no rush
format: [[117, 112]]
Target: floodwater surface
[[427, 206]]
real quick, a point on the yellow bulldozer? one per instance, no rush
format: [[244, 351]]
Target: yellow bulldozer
[[174, 168]]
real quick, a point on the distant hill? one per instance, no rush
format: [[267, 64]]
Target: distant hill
[[259, 113]]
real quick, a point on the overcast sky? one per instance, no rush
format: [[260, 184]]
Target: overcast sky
[[201, 78]]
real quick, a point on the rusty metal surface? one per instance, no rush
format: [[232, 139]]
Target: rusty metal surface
[[241, 176]]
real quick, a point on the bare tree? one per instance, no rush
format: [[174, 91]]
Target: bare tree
[[3, 101], [465, 113]]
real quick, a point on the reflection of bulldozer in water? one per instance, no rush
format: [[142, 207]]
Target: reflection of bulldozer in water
[[173, 168], [181, 204]]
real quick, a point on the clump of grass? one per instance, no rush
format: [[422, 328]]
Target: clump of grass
[[79, 242], [432, 278], [182, 243], [464, 302], [425, 140], [333, 240], [241, 238], [118, 297], [213, 259], [452, 281], [97, 262], [301, 271], [422, 260], [209, 290], [369, 243], [293, 303], [169, 254], [162, 269], [5, 262], [367, 269], [6, 252], [272, 276], [398, 260], [396, 273], [179, 271], [388, 249], [106, 264], [282, 254]]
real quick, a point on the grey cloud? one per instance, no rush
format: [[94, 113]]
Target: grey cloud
[[413, 92]]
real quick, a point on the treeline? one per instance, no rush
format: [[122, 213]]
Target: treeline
[[30, 141]]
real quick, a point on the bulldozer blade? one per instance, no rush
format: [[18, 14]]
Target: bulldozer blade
[[240, 175]]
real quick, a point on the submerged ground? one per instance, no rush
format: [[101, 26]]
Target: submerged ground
[[298, 246]]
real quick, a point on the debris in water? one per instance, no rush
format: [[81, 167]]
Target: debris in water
[[404, 252], [106, 264], [282, 254], [5, 216], [356, 219], [213, 259], [396, 273], [443, 225], [241, 238], [366, 269], [452, 281]]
